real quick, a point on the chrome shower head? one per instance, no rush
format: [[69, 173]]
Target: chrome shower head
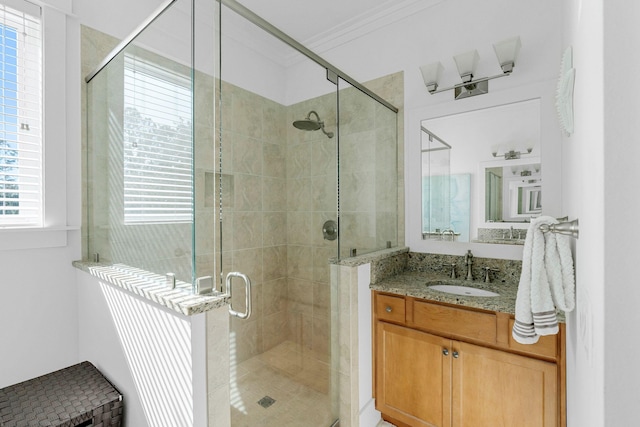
[[309, 124], [306, 124]]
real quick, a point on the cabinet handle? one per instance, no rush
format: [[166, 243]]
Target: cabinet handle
[[455, 354], [388, 309], [445, 351]]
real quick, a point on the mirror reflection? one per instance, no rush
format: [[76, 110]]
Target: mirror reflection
[[512, 191], [482, 174]]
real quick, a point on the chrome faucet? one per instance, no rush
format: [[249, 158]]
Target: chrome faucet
[[453, 269], [487, 273], [449, 232], [468, 261]]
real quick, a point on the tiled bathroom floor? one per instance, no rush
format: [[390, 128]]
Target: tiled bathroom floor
[[297, 381]]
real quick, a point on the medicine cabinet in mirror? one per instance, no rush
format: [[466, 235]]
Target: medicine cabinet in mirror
[[482, 173]]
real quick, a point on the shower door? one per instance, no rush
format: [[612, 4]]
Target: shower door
[[276, 187]]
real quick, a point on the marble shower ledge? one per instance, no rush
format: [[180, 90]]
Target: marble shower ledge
[[370, 257], [152, 287]]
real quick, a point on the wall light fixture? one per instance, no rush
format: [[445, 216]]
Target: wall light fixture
[[511, 154], [506, 52]]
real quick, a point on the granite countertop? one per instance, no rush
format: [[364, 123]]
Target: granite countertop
[[369, 257], [153, 287], [416, 284]]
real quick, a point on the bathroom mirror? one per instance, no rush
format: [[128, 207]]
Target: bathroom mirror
[[482, 173]]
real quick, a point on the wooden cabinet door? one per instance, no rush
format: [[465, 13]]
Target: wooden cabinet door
[[492, 388], [413, 376]]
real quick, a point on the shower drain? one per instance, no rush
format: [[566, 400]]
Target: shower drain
[[266, 401]]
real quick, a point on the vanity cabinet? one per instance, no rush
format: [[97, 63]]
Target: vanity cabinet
[[440, 365], [413, 376]]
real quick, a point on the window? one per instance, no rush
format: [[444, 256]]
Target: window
[[158, 152], [21, 200]]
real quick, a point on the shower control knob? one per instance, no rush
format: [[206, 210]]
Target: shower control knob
[[330, 230]]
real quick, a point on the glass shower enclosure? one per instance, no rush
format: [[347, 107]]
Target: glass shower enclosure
[[217, 144]]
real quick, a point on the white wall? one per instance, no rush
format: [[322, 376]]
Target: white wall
[[583, 170], [154, 356], [38, 315], [37, 284], [620, 149], [117, 18], [426, 37], [100, 344]]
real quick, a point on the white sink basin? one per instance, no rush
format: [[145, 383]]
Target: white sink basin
[[463, 290]]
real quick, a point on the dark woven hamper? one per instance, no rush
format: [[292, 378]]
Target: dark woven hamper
[[75, 396]]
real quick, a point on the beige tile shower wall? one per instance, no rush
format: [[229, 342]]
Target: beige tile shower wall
[[94, 47], [220, 388], [311, 200], [391, 88], [357, 159], [255, 215], [370, 168], [206, 181], [371, 182]]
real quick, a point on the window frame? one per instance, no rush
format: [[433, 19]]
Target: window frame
[[61, 153], [31, 78]]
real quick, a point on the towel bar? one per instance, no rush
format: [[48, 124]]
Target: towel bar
[[569, 228]]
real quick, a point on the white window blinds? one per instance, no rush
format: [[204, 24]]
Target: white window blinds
[[158, 153], [20, 117]]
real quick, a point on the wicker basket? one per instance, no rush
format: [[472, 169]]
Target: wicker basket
[[75, 396]]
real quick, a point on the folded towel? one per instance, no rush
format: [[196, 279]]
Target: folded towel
[[547, 283]]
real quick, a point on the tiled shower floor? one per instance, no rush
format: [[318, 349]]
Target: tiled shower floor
[[297, 381]]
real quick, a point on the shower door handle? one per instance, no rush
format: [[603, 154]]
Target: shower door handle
[[229, 288]]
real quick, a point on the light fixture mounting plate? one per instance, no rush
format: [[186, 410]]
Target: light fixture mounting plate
[[471, 89]]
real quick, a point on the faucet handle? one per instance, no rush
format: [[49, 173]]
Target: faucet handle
[[487, 275], [453, 269]]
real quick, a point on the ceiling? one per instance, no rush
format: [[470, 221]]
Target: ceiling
[[311, 22]]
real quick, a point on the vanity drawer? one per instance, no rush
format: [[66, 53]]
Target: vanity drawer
[[547, 346], [455, 322], [390, 308]]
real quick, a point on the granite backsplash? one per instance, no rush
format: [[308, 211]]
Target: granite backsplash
[[504, 271]]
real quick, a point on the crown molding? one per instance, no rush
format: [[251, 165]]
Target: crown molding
[[369, 21]]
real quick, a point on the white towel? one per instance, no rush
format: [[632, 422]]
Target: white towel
[[547, 283]]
